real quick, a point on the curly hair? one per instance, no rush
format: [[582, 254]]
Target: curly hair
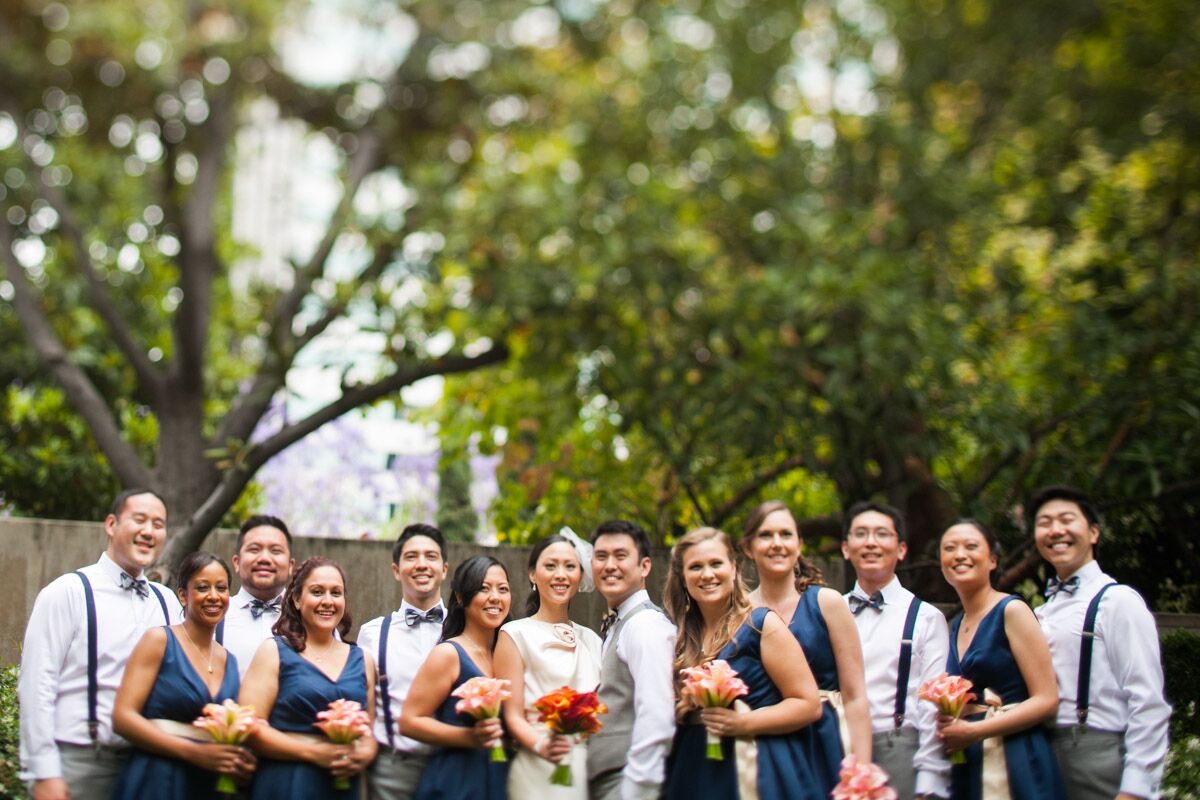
[[290, 625], [807, 573]]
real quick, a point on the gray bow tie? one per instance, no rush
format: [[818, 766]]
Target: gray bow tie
[[131, 584], [858, 603], [258, 607], [1068, 587]]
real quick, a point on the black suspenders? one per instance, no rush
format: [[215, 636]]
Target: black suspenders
[[906, 646], [92, 656], [383, 680], [1083, 688]]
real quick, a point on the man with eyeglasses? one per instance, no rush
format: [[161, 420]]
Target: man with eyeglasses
[[905, 642]]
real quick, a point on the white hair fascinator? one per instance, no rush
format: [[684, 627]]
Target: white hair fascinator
[[583, 549]]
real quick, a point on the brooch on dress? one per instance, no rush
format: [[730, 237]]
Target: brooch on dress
[[564, 632]]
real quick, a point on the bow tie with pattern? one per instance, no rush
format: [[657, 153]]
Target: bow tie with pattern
[[610, 619], [858, 603], [1068, 587], [258, 608], [413, 617], [131, 584]]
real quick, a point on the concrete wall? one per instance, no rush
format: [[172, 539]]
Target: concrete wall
[[34, 552]]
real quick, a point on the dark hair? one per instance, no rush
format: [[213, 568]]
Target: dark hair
[[418, 529], [1059, 492], [263, 521], [807, 573], [621, 527], [534, 601], [118, 503], [466, 583], [290, 626], [193, 563], [993, 543], [863, 506]]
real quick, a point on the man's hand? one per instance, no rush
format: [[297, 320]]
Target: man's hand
[[51, 789]]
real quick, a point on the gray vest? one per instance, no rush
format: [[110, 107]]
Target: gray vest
[[608, 749]]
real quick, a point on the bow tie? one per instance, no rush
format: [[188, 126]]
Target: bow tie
[[1068, 587], [858, 603], [413, 617], [258, 607], [606, 624], [131, 584]]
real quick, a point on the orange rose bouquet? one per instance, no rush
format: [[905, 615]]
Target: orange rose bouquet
[[481, 699], [712, 685], [567, 712], [227, 723], [342, 723], [950, 693]]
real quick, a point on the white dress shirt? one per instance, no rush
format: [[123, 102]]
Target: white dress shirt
[[1126, 693], [881, 632], [243, 633], [53, 687], [407, 648], [647, 647]]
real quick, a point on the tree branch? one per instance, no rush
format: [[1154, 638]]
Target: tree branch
[[719, 514], [81, 392]]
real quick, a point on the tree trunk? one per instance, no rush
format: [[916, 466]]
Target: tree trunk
[[183, 474]]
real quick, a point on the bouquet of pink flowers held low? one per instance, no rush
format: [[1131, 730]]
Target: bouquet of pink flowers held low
[[862, 782], [712, 685], [227, 723], [951, 694], [481, 699], [342, 723]]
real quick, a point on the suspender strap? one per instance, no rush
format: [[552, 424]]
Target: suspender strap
[[383, 681], [1085, 656], [220, 632], [163, 604], [93, 687], [906, 647]]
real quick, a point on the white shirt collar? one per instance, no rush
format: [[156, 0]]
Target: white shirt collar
[[633, 601], [1088, 572], [404, 604], [113, 570], [243, 598], [892, 591]]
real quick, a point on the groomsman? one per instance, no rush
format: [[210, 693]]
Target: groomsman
[[905, 643], [264, 565], [1111, 732], [400, 642], [83, 627], [627, 758]]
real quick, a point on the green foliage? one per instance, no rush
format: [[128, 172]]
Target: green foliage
[[1181, 777], [456, 515], [10, 733], [1181, 666]]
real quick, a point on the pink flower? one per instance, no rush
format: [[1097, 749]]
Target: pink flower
[[862, 782], [227, 723], [344, 721], [481, 697], [712, 685], [950, 693]]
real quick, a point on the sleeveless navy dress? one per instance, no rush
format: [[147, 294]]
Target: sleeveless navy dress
[[462, 773], [822, 740], [304, 690], [178, 694], [784, 772], [989, 664]]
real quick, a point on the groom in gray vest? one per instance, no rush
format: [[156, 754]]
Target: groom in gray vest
[[627, 758]]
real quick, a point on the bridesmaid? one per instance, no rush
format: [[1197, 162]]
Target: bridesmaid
[[706, 599], [821, 621], [460, 769], [996, 643], [541, 653], [296, 675], [172, 674]]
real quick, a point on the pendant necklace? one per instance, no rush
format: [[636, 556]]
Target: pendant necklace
[[197, 647]]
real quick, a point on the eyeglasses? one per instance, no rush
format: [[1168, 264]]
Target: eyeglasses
[[882, 535]]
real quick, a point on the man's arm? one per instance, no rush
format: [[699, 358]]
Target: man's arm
[[649, 651], [931, 645], [48, 638]]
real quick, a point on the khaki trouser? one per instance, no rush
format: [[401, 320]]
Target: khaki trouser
[[90, 773], [1091, 762], [895, 752], [394, 775]]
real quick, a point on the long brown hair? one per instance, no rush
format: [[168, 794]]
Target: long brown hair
[[290, 626], [689, 644], [807, 573]]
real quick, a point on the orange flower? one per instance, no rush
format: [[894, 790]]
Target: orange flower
[[566, 711]]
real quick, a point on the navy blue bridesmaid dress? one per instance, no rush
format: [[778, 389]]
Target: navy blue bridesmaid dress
[[462, 773], [178, 694], [783, 770], [822, 740], [989, 664], [304, 690]]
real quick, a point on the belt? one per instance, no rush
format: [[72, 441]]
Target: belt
[[181, 729]]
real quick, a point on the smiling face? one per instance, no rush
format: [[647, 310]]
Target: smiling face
[[420, 571], [618, 568], [136, 536], [557, 574], [489, 607], [264, 563], [322, 599], [775, 546], [206, 597], [967, 561], [709, 573], [873, 548], [1064, 536]]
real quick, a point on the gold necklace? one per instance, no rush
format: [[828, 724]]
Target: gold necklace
[[197, 648]]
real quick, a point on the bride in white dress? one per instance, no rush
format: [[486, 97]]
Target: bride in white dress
[[540, 653]]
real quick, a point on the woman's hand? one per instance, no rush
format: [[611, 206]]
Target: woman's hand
[[225, 759], [327, 755], [487, 731], [553, 748], [956, 734], [358, 758], [723, 721]]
